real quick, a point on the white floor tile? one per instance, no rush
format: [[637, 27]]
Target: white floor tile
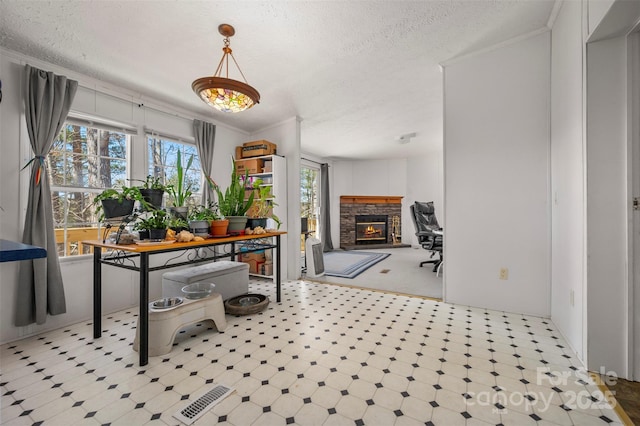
[[325, 355]]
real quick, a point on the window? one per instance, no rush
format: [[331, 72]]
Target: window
[[82, 163], [163, 155], [309, 200]]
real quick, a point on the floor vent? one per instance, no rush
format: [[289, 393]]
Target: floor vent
[[197, 408]]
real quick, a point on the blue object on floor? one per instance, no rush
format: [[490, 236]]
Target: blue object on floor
[[350, 264]]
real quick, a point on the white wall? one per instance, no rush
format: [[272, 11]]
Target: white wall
[[120, 286], [567, 177], [496, 153], [425, 182], [608, 205], [287, 136]]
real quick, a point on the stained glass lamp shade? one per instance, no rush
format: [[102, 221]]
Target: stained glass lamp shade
[[226, 95], [223, 93]]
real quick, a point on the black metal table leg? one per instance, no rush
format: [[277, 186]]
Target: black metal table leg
[[144, 309], [97, 292]]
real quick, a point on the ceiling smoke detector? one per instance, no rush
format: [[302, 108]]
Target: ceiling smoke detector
[[405, 138]]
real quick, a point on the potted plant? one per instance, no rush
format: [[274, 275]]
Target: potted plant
[[158, 222], [262, 207], [113, 203], [142, 226], [200, 219], [231, 202], [152, 190], [181, 190], [178, 224], [220, 227]]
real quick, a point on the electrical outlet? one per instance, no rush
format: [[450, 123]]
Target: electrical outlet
[[504, 274], [572, 298]]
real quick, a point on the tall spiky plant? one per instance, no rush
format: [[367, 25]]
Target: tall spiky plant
[[180, 192], [231, 202]]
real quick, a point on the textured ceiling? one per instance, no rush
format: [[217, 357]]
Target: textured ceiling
[[358, 73]]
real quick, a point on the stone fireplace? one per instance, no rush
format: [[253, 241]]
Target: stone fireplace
[[370, 221]]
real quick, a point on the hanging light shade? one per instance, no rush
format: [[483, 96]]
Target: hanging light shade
[[223, 93]]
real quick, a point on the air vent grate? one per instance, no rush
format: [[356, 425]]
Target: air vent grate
[[201, 405]]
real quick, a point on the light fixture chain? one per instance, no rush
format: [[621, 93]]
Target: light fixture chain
[[237, 66], [219, 69]]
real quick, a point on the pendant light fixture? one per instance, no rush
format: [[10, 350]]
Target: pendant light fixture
[[223, 93]]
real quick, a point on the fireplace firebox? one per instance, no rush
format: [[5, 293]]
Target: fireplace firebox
[[371, 229]]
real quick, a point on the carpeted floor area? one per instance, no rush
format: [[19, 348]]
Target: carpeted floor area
[[399, 273]]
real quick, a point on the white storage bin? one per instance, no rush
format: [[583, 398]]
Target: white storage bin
[[231, 278]]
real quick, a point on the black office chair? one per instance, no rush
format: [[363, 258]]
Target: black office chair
[[425, 221]]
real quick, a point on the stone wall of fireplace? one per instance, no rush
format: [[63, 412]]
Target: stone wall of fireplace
[[352, 205]]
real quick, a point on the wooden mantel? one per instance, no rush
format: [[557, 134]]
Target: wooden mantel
[[370, 199]]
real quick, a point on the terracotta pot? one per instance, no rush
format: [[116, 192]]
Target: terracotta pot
[[219, 228]]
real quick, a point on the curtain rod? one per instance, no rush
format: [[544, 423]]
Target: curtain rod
[[313, 161]]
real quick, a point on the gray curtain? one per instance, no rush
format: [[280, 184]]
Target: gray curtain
[[205, 134], [325, 209], [47, 99]]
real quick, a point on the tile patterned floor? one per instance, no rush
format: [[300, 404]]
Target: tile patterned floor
[[326, 355]]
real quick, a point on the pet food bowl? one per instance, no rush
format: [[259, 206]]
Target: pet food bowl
[[166, 303], [246, 304], [198, 290]]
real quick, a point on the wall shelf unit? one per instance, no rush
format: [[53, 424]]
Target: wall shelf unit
[[272, 170]]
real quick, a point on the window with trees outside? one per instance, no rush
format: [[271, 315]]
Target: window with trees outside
[[163, 156], [82, 163], [86, 160]]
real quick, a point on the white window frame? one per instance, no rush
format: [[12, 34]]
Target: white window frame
[[85, 120], [177, 140]]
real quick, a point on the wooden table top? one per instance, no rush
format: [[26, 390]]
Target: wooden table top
[[163, 246]]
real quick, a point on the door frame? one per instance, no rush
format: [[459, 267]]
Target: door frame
[[633, 124]]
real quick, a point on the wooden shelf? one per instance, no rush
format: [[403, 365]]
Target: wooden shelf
[[370, 199]]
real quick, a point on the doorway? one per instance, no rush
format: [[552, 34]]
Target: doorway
[[309, 205]]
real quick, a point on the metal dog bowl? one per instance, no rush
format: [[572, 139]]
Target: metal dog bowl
[[166, 303], [198, 290]]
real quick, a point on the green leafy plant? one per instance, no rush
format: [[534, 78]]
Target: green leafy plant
[[159, 219], [151, 183], [231, 202], [204, 213], [181, 191], [178, 223], [263, 204], [141, 224]]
